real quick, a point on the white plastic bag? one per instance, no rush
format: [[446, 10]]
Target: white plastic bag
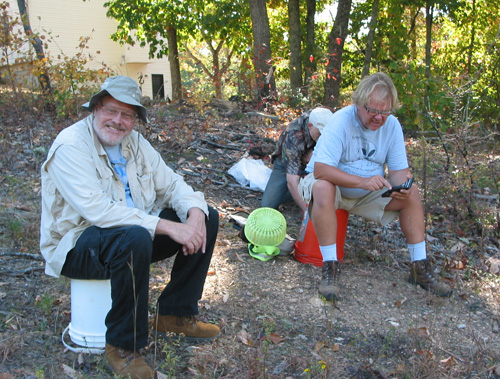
[[251, 172]]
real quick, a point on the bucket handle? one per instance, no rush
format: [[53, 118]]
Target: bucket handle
[[87, 350]]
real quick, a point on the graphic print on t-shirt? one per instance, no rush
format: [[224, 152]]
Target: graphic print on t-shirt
[[368, 149]]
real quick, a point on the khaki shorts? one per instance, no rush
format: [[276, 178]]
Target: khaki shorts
[[371, 206]]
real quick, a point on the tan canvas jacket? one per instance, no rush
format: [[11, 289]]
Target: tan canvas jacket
[[80, 189]]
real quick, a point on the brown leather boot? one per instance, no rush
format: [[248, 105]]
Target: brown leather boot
[[421, 274], [128, 364], [328, 285], [187, 326]]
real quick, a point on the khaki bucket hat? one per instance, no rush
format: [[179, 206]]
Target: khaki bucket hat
[[123, 89]]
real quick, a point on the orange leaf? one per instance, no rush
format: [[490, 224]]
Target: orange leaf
[[399, 303], [274, 338], [320, 345]]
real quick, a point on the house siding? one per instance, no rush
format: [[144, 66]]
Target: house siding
[[68, 21]]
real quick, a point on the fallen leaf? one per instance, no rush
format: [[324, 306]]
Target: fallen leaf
[[497, 370], [448, 362], [420, 332], [431, 238], [425, 353], [399, 303], [70, 372], [320, 345], [56, 302], [244, 337], [464, 240], [224, 243], [494, 265], [274, 338], [393, 321], [336, 347], [240, 209]]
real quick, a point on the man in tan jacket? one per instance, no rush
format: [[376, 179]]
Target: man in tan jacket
[[111, 207]]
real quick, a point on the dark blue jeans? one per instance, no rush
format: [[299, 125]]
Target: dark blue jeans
[[276, 192], [123, 255]]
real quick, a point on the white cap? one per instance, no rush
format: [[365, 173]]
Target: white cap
[[319, 117]]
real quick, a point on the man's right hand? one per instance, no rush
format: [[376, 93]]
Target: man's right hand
[[374, 183]]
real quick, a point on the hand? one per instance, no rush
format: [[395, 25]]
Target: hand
[[402, 194], [196, 219], [191, 234], [374, 183]]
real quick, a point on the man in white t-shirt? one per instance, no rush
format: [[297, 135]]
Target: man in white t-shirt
[[347, 170]]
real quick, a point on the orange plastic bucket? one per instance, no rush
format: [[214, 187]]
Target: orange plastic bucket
[[307, 246]]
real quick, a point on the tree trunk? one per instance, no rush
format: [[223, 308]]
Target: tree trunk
[[336, 41], [429, 14], [173, 57], [412, 35], [310, 63], [370, 38], [264, 78], [472, 38], [295, 39], [43, 77]]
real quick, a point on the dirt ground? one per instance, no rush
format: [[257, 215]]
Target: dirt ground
[[273, 323]]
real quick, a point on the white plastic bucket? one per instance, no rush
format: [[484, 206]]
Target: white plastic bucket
[[90, 303]]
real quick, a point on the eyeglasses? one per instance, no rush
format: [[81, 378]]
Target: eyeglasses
[[374, 112], [112, 112]]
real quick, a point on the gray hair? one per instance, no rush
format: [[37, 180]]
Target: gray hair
[[379, 84]]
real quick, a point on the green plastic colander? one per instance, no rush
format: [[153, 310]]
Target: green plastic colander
[[265, 229]]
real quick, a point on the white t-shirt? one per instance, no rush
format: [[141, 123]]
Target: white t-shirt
[[347, 145]]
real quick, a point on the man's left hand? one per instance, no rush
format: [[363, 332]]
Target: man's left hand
[[402, 195]]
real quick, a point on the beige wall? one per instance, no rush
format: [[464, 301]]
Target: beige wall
[[69, 20]]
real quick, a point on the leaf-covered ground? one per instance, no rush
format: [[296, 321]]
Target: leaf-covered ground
[[273, 323]]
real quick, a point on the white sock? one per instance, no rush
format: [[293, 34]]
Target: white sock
[[417, 251], [329, 253]]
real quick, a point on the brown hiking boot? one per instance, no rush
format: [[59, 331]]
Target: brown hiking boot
[[328, 286], [187, 326], [128, 364], [421, 274]]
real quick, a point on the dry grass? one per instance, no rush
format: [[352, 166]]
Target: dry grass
[[273, 323]]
